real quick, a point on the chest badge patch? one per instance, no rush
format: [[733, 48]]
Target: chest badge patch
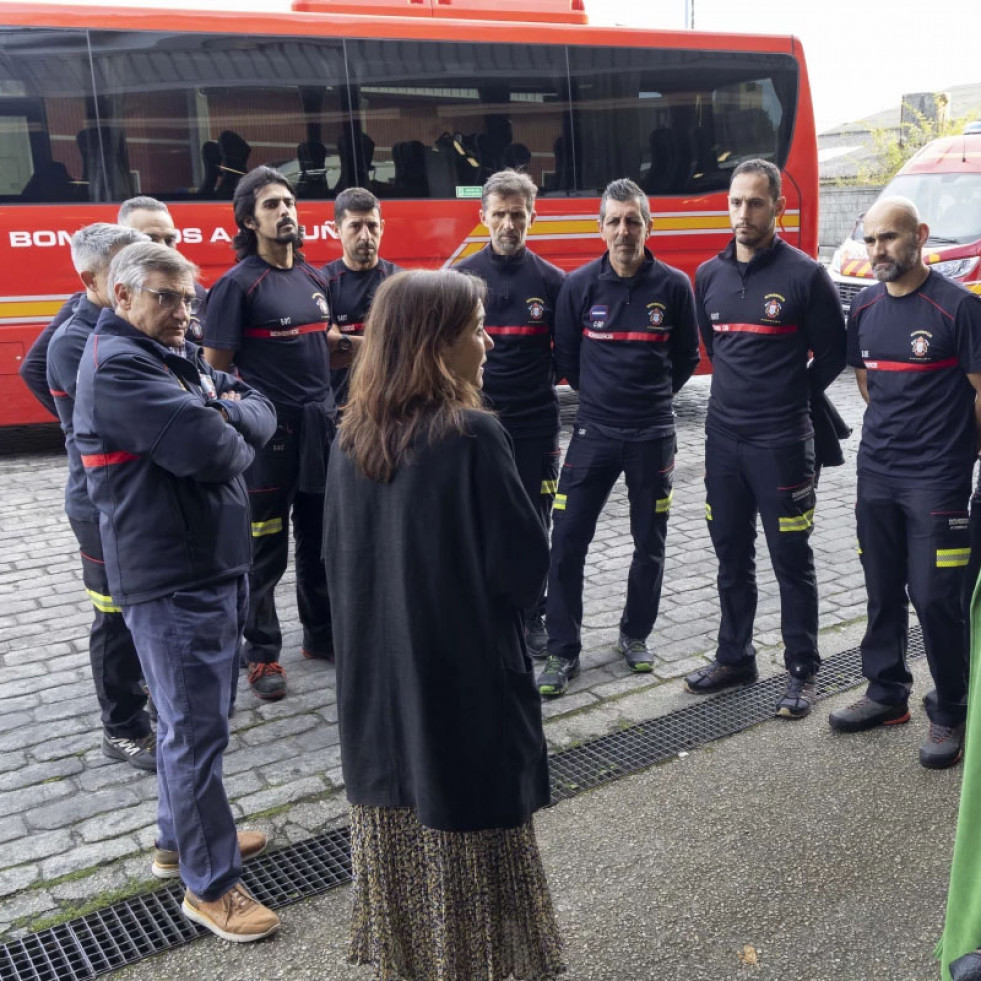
[[598, 314], [772, 308], [536, 308], [920, 343], [321, 302], [655, 314]]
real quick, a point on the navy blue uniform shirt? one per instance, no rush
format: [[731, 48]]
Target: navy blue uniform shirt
[[759, 325], [519, 313], [349, 296], [917, 350], [275, 320], [626, 344]]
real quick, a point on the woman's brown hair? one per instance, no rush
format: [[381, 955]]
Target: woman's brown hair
[[401, 389]]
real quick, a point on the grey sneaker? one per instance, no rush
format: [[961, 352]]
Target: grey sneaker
[[140, 753], [797, 698], [559, 671], [636, 654], [943, 746], [867, 714]]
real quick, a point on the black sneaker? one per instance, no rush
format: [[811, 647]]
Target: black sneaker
[[536, 637], [635, 651], [559, 671], [943, 746], [717, 677], [867, 714], [967, 967], [267, 679], [797, 698], [140, 753]]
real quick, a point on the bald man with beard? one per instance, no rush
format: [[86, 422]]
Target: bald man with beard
[[914, 340]]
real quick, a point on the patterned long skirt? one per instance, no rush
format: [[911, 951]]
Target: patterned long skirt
[[449, 906]]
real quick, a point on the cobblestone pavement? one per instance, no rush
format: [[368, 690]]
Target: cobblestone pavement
[[75, 827]]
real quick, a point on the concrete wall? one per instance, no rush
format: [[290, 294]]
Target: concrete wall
[[838, 209]]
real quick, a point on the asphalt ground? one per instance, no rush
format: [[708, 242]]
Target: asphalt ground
[[785, 852], [75, 828]]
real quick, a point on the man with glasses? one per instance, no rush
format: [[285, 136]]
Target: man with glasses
[[270, 313], [164, 440], [116, 668]]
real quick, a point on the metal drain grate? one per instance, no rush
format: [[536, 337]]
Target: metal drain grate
[[133, 929]]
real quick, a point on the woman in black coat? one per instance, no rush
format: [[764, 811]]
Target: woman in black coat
[[433, 549]]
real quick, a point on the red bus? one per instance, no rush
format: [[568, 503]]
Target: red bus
[[99, 104]]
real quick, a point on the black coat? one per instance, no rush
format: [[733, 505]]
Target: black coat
[[428, 576]]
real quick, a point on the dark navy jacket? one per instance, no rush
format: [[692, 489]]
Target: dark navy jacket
[[33, 369], [163, 467], [519, 376], [63, 355], [626, 344], [758, 327]]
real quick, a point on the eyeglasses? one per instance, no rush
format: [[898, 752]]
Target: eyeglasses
[[171, 300]]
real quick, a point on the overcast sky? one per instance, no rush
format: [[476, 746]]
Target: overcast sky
[[861, 56]]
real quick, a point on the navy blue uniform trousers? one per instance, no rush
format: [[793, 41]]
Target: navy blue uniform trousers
[[537, 462], [188, 643], [741, 481], [591, 467], [274, 495], [915, 547], [116, 669]]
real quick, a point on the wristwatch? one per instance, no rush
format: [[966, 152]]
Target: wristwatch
[[344, 344]]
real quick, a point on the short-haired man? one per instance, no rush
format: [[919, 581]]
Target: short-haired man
[[625, 337], [115, 665], [271, 314], [146, 215], [519, 376], [914, 340], [165, 440], [353, 278], [763, 307]]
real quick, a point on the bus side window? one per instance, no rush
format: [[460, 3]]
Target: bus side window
[[446, 115]]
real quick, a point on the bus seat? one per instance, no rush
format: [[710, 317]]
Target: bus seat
[[234, 162], [50, 183], [105, 164], [411, 181], [355, 168], [668, 168], [312, 157], [211, 157], [441, 168], [518, 157]]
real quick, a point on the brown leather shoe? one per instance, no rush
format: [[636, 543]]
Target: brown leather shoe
[[236, 916], [166, 862]]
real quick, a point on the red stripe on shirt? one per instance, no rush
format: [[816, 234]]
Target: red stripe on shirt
[[58, 394], [626, 335], [907, 366], [525, 331], [754, 329], [92, 460], [286, 331]]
